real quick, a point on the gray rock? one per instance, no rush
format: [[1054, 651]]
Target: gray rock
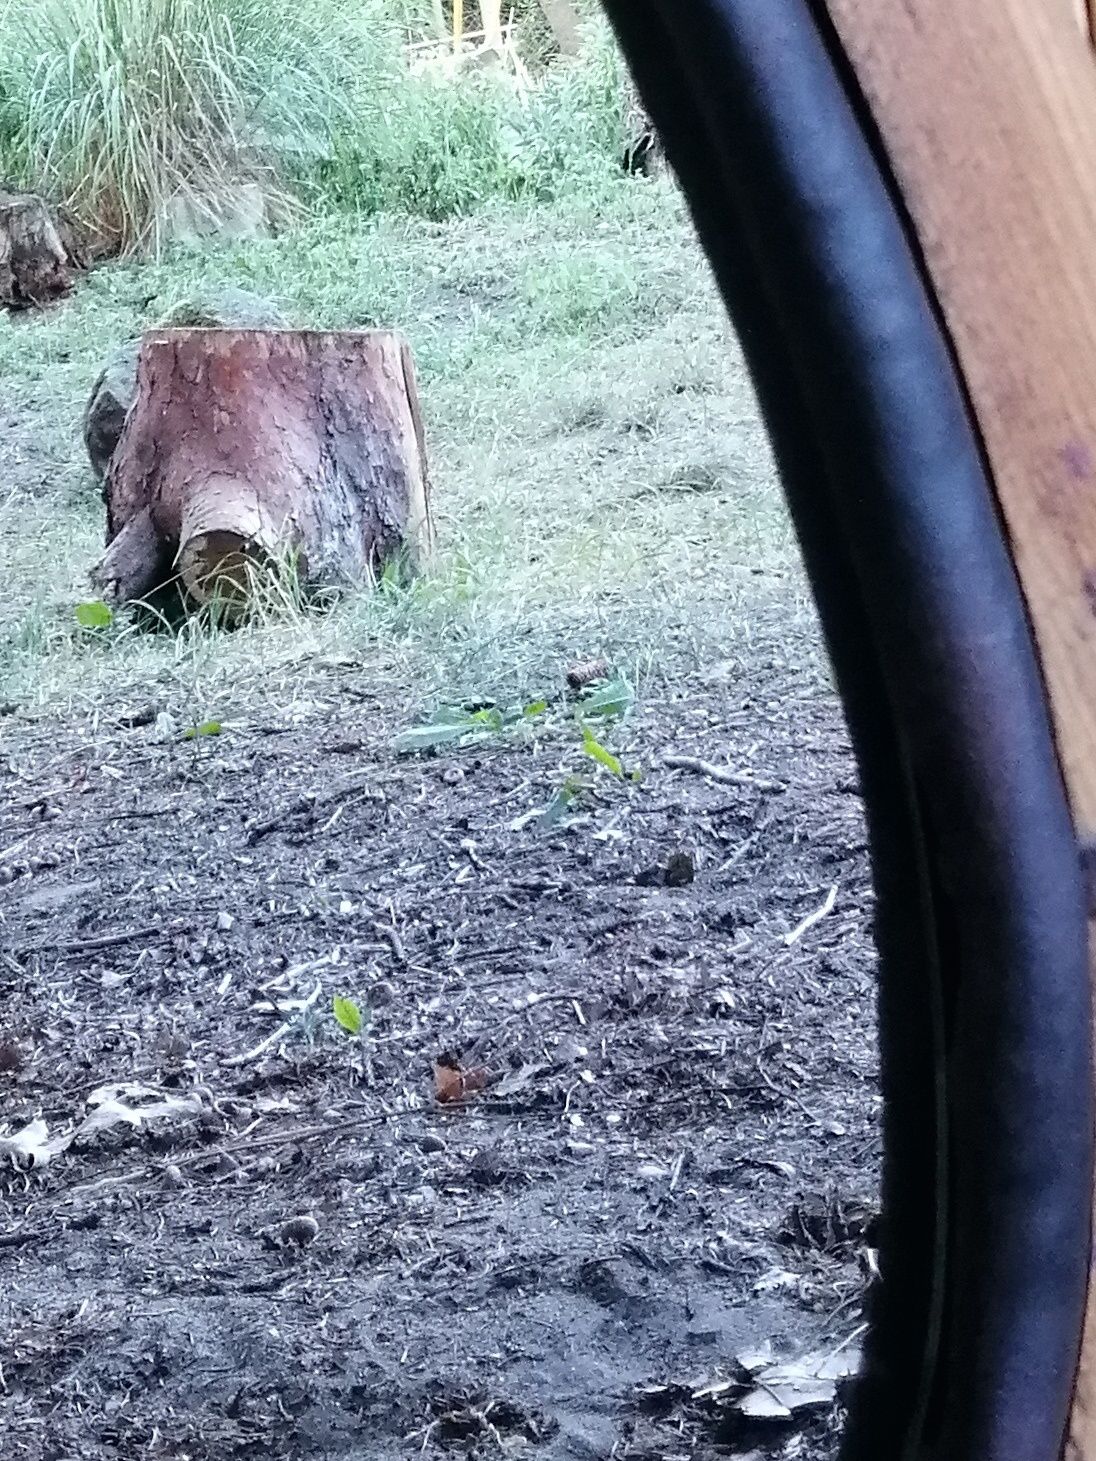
[[238, 212], [114, 391], [110, 399]]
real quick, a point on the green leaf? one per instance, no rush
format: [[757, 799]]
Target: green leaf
[[94, 615], [348, 1014], [207, 728], [449, 724], [611, 701], [561, 803], [593, 748]]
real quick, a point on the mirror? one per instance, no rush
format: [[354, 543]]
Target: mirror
[[438, 1017]]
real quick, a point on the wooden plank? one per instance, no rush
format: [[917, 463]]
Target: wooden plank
[[491, 18], [987, 109]]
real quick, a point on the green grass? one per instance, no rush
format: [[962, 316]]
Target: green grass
[[145, 116], [122, 107], [602, 481], [436, 149]]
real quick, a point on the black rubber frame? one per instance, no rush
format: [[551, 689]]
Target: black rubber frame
[[984, 1001]]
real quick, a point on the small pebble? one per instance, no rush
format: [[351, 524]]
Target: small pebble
[[300, 1230], [680, 870], [173, 1175], [225, 921], [431, 1144]]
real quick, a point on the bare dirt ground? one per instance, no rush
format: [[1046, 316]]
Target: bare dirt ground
[[673, 1159], [666, 1156]]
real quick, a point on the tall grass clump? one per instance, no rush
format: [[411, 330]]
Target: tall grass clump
[[118, 107], [439, 147]]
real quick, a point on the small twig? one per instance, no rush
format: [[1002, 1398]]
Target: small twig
[[87, 945], [725, 775], [311, 801], [281, 1032], [391, 935], [812, 918], [469, 848], [788, 1096], [244, 1145], [287, 976]]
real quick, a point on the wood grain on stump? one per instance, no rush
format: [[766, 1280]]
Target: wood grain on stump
[[247, 448]]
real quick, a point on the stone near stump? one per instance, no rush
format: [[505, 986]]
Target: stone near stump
[[114, 391], [237, 213], [110, 399]]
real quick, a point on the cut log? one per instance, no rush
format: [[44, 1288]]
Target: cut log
[[246, 450], [39, 251]]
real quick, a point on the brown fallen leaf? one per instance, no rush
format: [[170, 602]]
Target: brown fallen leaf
[[587, 672], [452, 1083]]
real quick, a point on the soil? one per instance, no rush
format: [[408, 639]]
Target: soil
[[665, 1153]]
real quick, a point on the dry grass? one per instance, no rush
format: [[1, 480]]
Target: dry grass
[[603, 483]]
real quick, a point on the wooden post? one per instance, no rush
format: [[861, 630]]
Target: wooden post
[[491, 15], [560, 15], [987, 113], [458, 25]]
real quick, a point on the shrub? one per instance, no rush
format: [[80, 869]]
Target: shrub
[[124, 108], [119, 106], [441, 147]]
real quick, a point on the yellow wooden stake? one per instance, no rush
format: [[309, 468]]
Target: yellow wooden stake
[[458, 24]]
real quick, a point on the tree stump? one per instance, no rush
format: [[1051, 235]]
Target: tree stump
[[115, 390], [39, 251], [247, 449]]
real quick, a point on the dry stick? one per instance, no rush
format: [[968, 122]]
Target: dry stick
[[391, 935], [281, 1032], [723, 774], [309, 802], [812, 918], [246, 1144], [86, 945]]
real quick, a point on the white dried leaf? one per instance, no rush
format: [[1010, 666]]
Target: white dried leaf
[[755, 1360], [764, 1406], [806, 1383], [130, 1104], [775, 1279], [31, 1146]]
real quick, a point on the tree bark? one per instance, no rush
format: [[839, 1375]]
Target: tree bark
[[245, 449], [39, 251]]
